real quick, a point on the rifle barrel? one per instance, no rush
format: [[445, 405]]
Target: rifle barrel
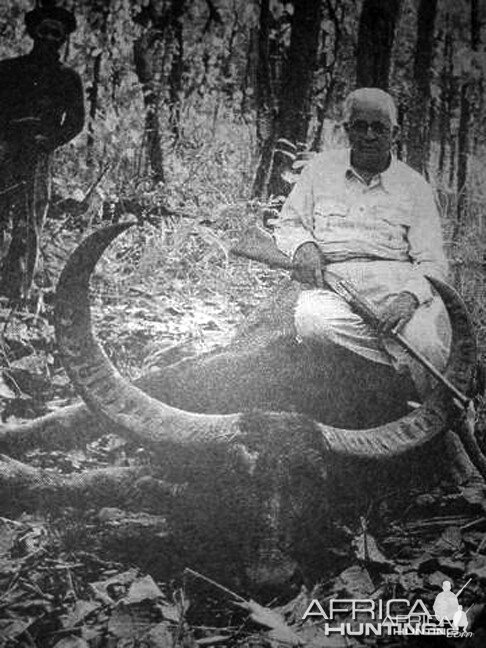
[[259, 246], [463, 588], [462, 398]]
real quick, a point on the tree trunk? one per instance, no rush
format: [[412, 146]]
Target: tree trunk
[[462, 150], [295, 94], [249, 84], [147, 55], [452, 159], [376, 33], [335, 13], [418, 124], [177, 67], [445, 95], [294, 113], [400, 120], [265, 129], [320, 116], [94, 90], [93, 107], [465, 118]]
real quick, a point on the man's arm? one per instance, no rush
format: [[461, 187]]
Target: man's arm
[[426, 245], [73, 121], [295, 223], [426, 251]]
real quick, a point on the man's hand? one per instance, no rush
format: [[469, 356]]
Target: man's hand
[[399, 312], [308, 267]]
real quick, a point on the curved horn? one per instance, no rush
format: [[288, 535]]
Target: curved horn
[[98, 382], [436, 413], [111, 396]]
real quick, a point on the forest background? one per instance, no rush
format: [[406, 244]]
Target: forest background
[[200, 115]]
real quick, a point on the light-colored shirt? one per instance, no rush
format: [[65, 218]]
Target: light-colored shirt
[[383, 236]]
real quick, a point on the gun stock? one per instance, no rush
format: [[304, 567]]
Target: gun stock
[[258, 245]]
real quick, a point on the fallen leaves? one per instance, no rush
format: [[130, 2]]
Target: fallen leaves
[[75, 599], [268, 618], [354, 582], [45, 593]]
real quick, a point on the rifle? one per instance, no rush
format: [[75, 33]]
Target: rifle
[[258, 245], [463, 588]]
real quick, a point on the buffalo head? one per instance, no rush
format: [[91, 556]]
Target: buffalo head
[[149, 419], [264, 424]]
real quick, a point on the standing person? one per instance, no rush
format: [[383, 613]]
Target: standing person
[[41, 108], [372, 220]]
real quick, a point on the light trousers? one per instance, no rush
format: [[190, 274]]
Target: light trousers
[[321, 315]]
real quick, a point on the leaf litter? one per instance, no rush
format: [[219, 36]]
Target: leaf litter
[[57, 598], [56, 595]]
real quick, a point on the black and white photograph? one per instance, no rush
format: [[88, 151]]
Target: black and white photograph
[[242, 323]]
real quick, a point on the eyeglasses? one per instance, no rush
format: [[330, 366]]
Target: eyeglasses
[[361, 127]]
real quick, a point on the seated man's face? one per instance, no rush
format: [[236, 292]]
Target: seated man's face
[[370, 135]]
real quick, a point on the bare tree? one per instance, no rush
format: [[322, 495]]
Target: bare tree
[[148, 56], [467, 90], [102, 16], [177, 67], [295, 93], [418, 135], [328, 62], [446, 93], [265, 103], [376, 34]]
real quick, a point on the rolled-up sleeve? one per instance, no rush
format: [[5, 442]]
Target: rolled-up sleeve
[[295, 223], [426, 246]]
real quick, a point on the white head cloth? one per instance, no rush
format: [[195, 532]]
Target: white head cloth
[[370, 98]]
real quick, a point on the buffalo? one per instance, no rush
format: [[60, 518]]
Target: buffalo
[[262, 432]]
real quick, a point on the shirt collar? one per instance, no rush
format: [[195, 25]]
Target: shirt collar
[[386, 178], [391, 177]]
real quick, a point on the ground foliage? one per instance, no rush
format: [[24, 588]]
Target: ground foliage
[[62, 586]]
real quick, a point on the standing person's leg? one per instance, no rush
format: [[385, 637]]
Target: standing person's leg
[[29, 208], [12, 267], [39, 195]]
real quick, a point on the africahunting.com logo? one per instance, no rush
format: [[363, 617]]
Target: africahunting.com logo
[[394, 616]]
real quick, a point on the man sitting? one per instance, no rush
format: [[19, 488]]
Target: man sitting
[[372, 220]]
